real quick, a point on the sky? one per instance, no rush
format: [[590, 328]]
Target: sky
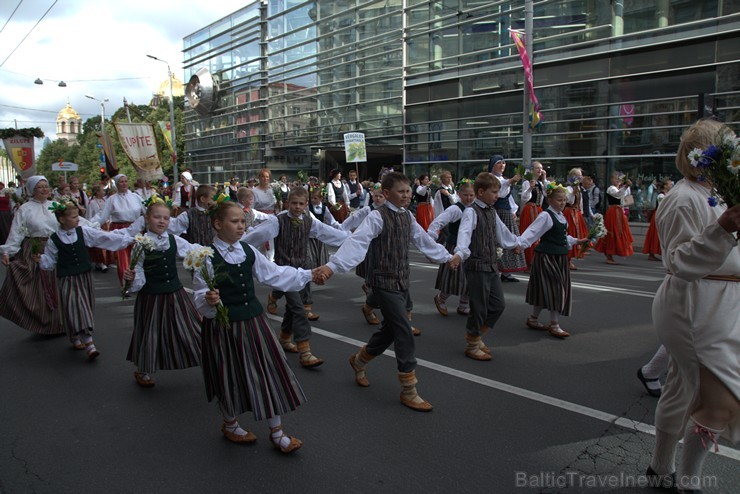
[[98, 47]]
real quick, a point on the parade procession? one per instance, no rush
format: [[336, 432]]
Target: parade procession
[[548, 310]]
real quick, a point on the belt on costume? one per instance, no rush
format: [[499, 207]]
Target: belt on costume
[[719, 277]]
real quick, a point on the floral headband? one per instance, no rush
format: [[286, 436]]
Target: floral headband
[[156, 199], [464, 182], [553, 187], [61, 206], [219, 198], [314, 189]]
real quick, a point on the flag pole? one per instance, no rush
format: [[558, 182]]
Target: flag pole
[[527, 100]]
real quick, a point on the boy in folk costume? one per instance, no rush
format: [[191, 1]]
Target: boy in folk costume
[[481, 229], [291, 231], [506, 208], [245, 198], [385, 236], [194, 224]]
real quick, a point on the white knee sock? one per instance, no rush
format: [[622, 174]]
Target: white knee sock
[[664, 454], [658, 365], [697, 441], [276, 422], [554, 317], [443, 297], [536, 309]]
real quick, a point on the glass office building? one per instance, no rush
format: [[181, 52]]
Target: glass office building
[[438, 84]]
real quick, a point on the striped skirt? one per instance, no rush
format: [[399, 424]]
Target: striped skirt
[[451, 281], [339, 214], [245, 368], [510, 262], [166, 332], [529, 213], [29, 294], [549, 283], [318, 253], [618, 240], [577, 228], [123, 256], [6, 219], [79, 303]]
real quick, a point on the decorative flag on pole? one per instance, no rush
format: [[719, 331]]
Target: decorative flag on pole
[[140, 145], [535, 117], [167, 133]]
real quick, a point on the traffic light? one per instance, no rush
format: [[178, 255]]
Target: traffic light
[[102, 173]]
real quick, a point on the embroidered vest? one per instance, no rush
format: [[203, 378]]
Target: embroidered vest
[[199, 230], [236, 286], [160, 269], [483, 241], [388, 256], [453, 228], [291, 244], [554, 240], [73, 258], [355, 202]]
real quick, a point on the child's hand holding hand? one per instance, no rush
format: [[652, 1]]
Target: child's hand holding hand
[[6, 259], [36, 257], [454, 263], [321, 274], [212, 297], [129, 275]]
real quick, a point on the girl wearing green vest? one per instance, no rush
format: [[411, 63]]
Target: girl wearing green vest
[[549, 279], [166, 325], [244, 366], [67, 251]]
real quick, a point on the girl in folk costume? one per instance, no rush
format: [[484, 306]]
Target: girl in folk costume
[[446, 196], [244, 366], [184, 195], [452, 281], [506, 209], [282, 186], [78, 195], [100, 257], [577, 227], [233, 188], [29, 295], [166, 325], [423, 200], [618, 240], [355, 190], [652, 242], [245, 198], [67, 253], [122, 208], [337, 195], [265, 202], [195, 224], [549, 281], [6, 211], [533, 197]]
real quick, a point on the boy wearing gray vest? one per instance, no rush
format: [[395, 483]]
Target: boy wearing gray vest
[[384, 236]]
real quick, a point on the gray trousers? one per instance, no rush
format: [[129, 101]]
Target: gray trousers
[[486, 300], [395, 329], [294, 320]]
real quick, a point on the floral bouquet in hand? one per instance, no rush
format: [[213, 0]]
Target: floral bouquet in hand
[[525, 173], [597, 231], [195, 260], [720, 167], [141, 243]]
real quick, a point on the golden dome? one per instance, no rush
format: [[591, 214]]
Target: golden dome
[[178, 88], [68, 113]]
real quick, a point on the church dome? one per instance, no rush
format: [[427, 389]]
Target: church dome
[[178, 88], [68, 113]]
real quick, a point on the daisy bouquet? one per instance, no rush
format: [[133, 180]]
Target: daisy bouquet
[[720, 167], [142, 243], [195, 261], [597, 231]]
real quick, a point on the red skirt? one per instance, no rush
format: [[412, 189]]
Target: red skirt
[[101, 256], [424, 214], [618, 240], [340, 214], [529, 213], [652, 242], [577, 228], [123, 256]]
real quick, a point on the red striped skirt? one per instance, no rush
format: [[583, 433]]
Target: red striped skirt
[[577, 228], [79, 303], [529, 213], [549, 283], [123, 256]]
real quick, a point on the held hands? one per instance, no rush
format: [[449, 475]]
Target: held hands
[[582, 241], [129, 274], [6, 259], [36, 257], [321, 274], [729, 221], [454, 263], [212, 297]]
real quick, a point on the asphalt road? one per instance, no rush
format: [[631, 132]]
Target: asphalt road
[[544, 415]]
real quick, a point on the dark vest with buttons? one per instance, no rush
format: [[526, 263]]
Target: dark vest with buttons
[[446, 199], [388, 255], [453, 228], [72, 259], [236, 286], [291, 244], [319, 216], [613, 201], [537, 194], [355, 202], [160, 269], [483, 241], [199, 230], [555, 240]]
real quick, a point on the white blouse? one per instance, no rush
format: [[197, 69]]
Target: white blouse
[[92, 238], [32, 219], [121, 207], [161, 244], [264, 200], [542, 225]]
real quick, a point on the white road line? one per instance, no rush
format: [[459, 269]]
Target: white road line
[[524, 393]]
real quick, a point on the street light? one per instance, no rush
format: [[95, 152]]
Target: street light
[[172, 119], [39, 81], [102, 111]]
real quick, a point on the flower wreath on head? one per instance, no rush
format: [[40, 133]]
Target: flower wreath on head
[[316, 189], [463, 181], [377, 186], [62, 206], [719, 166], [157, 199], [553, 187]]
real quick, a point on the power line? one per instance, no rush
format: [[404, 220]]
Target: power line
[[11, 16], [29, 32], [45, 111], [79, 80]]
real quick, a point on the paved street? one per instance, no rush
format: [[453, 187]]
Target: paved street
[[544, 415]]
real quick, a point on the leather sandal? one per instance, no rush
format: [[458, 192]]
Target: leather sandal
[[287, 344], [557, 331], [360, 374], [533, 323], [248, 438], [271, 304], [144, 383], [441, 308], [370, 316], [295, 443], [92, 352], [77, 344]]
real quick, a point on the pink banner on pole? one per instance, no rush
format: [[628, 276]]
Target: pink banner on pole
[[535, 117]]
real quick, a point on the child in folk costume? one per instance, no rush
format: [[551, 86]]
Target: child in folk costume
[[355, 190], [166, 325], [337, 195], [194, 224], [67, 252], [618, 240], [244, 366], [291, 231], [506, 209], [385, 235], [423, 202], [245, 198], [577, 227], [652, 242], [95, 204], [549, 279], [533, 197], [446, 196], [481, 230], [452, 281]]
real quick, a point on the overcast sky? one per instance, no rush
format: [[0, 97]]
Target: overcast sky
[[83, 41]]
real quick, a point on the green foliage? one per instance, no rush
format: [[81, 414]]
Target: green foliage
[[28, 132]]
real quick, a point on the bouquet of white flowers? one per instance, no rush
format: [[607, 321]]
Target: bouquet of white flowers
[[141, 243], [597, 231], [195, 260]]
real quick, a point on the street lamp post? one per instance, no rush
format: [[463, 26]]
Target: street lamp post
[[102, 122], [173, 139]]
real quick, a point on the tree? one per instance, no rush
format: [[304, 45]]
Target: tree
[[52, 153]]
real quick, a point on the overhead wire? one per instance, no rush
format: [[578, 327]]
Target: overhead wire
[[28, 33], [11, 16]]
